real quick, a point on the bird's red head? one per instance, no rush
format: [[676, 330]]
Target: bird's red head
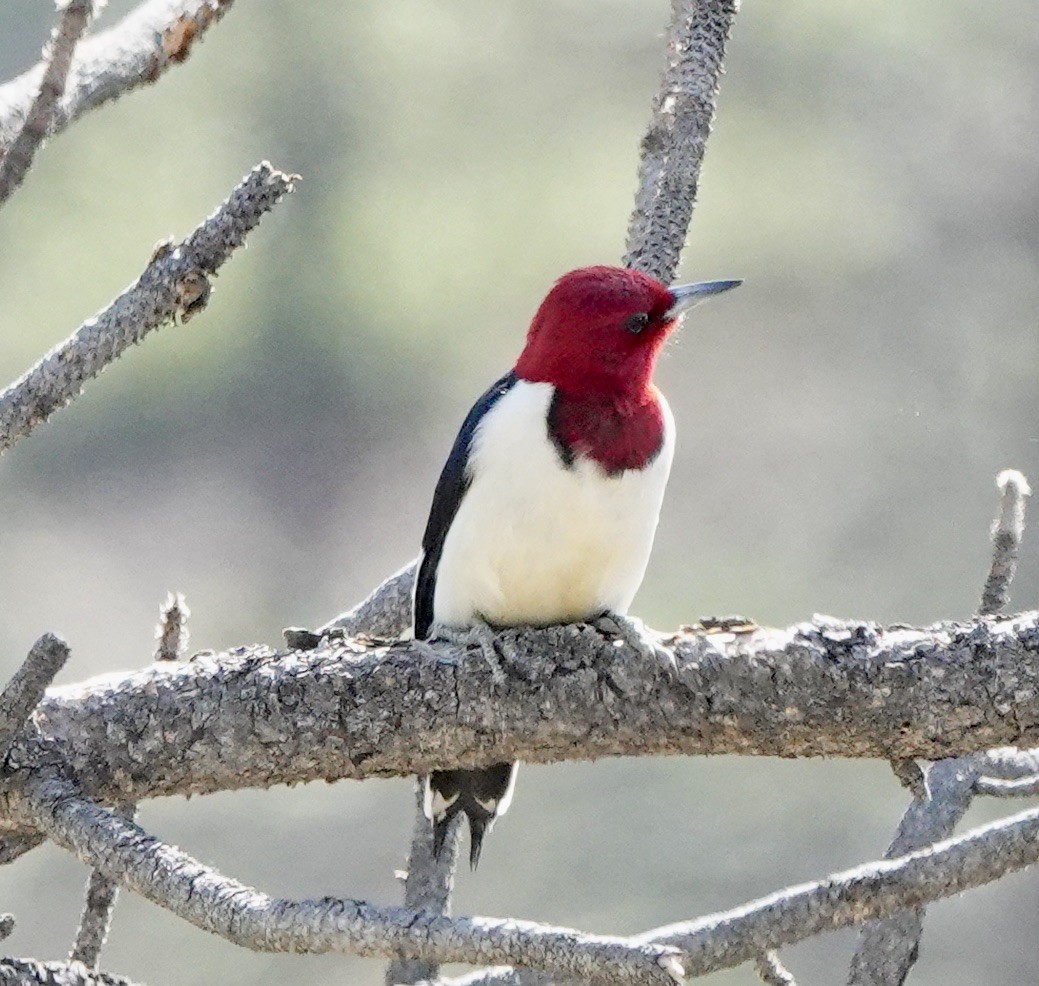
[[599, 330]]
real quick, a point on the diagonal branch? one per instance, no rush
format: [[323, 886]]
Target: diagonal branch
[[674, 145], [980, 856], [427, 886], [23, 692], [135, 52], [30, 972], [175, 282], [96, 919], [16, 162], [887, 950], [198, 894]]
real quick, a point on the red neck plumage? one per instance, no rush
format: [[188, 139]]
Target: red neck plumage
[[619, 433]]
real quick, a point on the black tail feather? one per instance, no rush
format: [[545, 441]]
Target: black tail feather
[[481, 794]]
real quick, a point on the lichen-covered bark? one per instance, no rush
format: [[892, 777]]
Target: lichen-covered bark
[[350, 709], [175, 282], [135, 52]]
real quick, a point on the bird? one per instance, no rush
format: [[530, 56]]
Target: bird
[[547, 506]]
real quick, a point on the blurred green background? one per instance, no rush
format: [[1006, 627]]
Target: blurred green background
[[872, 175]]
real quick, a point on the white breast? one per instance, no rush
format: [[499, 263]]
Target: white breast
[[534, 542]]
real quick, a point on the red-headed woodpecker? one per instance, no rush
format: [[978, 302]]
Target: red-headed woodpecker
[[546, 509]]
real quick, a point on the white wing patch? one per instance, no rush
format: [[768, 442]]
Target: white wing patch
[[434, 804]]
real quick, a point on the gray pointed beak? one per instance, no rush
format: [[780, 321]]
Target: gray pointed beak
[[688, 295]]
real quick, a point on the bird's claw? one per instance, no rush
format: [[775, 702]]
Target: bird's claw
[[638, 637], [481, 635]]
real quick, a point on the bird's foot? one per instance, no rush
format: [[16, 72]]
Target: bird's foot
[[480, 635], [640, 638]]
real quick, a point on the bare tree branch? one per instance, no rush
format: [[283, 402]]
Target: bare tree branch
[[1006, 541], [385, 613], [240, 914], [772, 971], [135, 52], [25, 689], [22, 972], [176, 281], [198, 894], [981, 855], [503, 975], [97, 911], [427, 887], [673, 148], [14, 165], [172, 631], [357, 709], [887, 950]]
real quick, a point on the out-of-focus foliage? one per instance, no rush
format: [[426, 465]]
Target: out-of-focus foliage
[[873, 175]]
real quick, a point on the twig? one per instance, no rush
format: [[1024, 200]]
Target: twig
[[14, 165], [242, 915], [1024, 787], [96, 919], [135, 52], [172, 630], [427, 887], [772, 971], [25, 689], [16, 846], [30, 972], [176, 281], [1006, 540], [673, 148], [887, 950], [385, 613]]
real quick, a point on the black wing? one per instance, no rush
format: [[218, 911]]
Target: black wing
[[451, 487]]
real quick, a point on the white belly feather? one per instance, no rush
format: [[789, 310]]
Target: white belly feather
[[534, 542]]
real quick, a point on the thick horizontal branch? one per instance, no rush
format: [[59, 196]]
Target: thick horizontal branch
[[353, 709], [136, 51], [175, 282], [240, 914]]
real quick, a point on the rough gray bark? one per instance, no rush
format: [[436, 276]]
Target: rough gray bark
[[135, 52], [773, 972], [254, 717], [171, 633], [209, 900], [15, 163], [848, 898], [247, 917], [427, 886], [19, 972], [887, 950], [96, 919], [384, 613], [175, 282], [23, 692], [674, 145]]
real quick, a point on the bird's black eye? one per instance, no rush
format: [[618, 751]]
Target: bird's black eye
[[636, 323]]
